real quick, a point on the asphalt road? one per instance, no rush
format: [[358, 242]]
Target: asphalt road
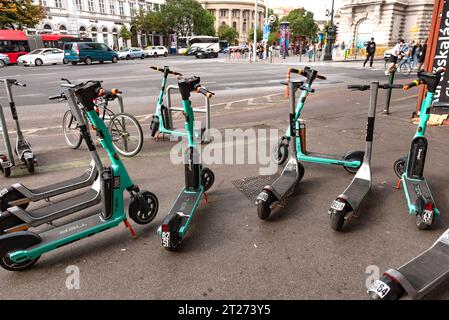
[[229, 253]]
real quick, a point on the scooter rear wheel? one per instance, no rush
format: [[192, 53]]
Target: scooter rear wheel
[[354, 156], [399, 166], [8, 221], [395, 292], [173, 241], [9, 265], [337, 219], [263, 203], [140, 215]]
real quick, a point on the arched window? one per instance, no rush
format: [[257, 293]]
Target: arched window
[[47, 28], [234, 25], [105, 36], [244, 26], [364, 33], [62, 29], [115, 39], [94, 34], [223, 23]]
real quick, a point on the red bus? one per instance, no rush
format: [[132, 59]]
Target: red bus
[[15, 43]]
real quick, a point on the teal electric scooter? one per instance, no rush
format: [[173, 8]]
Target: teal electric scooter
[[162, 121], [197, 179], [21, 249], [351, 161], [410, 169]]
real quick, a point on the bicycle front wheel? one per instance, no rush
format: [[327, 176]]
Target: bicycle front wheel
[[126, 133], [70, 129]]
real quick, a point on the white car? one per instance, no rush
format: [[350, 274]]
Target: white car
[[156, 51], [131, 53], [42, 56]]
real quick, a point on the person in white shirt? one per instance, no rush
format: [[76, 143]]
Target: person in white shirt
[[395, 52]]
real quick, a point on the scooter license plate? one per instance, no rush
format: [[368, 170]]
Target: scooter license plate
[[337, 205], [6, 164], [165, 239], [428, 217], [380, 288], [262, 197]]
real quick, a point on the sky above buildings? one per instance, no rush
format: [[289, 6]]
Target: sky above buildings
[[318, 7]]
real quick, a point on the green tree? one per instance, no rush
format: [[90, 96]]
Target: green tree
[[259, 35], [20, 13], [228, 33], [125, 34], [302, 23], [187, 17], [274, 28]]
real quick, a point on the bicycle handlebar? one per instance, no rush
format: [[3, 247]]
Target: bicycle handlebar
[[163, 70], [360, 87], [412, 84], [56, 97], [16, 83]]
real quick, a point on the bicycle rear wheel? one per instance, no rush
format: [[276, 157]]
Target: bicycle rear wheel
[[126, 133], [71, 131]]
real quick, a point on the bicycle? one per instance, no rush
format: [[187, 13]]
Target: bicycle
[[125, 130]]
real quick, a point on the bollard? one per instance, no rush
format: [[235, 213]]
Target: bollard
[[388, 97]]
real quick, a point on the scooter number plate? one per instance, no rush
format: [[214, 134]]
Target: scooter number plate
[[337, 205], [165, 239], [428, 216], [6, 164], [263, 196], [380, 288]]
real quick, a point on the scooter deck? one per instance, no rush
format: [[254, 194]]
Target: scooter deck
[[86, 179], [356, 192], [285, 184], [427, 270], [66, 234], [416, 188], [185, 206], [58, 210]]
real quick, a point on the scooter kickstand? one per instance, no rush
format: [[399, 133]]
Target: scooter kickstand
[[398, 184], [130, 228]]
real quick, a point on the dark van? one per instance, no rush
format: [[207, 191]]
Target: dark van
[[88, 52]]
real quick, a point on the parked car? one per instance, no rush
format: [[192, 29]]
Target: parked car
[[131, 53], [88, 52], [42, 56], [4, 60], [206, 53], [156, 51]]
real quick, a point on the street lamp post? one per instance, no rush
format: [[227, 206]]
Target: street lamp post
[[255, 32], [330, 37]]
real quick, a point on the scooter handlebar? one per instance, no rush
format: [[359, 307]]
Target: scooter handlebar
[[204, 91], [302, 73], [16, 83], [412, 84], [360, 87], [169, 71], [391, 86], [56, 97]]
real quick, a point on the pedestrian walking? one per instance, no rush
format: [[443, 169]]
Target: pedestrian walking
[[370, 51], [415, 53], [311, 51], [395, 53], [422, 55]]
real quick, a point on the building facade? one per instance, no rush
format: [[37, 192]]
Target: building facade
[[239, 14], [385, 20], [100, 20]]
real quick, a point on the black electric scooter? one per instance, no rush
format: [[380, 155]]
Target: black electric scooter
[[274, 194], [347, 204], [22, 148]]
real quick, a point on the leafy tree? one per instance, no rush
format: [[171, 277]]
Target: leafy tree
[[125, 34], [259, 35], [302, 23], [19, 13], [187, 17], [149, 21], [228, 33], [274, 28]]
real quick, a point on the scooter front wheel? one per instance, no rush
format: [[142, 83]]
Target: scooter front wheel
[[354, 156], [7, 264], [207, 178], [399, 166], [263, 203], [144, 215], [280, 153], [6, 171], [29, 162]]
